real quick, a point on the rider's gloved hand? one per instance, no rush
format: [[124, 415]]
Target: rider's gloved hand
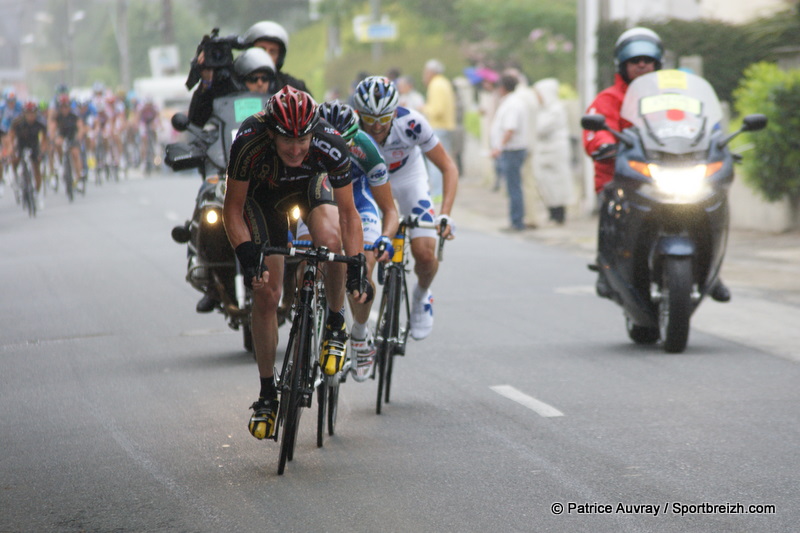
[[247, 253], [606, 151], [443, 222], [383, 244], [357, 278]]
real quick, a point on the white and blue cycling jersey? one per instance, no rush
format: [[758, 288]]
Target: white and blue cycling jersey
[[409, 138], [8, 112]]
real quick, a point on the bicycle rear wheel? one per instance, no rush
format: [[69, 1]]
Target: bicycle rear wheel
[[333, 408], [322, 407]]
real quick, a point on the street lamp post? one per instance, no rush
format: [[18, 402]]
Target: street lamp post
[[72, 18]]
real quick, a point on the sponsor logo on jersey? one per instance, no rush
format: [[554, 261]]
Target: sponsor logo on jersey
[[357, 152], [328, 148], [397, 164], [413, 129]]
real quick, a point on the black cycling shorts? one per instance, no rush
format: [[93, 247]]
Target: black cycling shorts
[[268, 218], [34, 150]]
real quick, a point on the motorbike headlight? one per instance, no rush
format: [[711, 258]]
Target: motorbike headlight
[[295, 212], [677, 183], [212, 216]]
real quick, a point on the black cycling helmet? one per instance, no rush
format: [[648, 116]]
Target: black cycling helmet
[[341, 116], [291, 112]]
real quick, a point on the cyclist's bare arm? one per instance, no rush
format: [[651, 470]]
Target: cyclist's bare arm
[[385, 200], [439, 157]]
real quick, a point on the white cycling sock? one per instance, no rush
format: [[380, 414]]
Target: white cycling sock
[[358, 330], [420, 293]]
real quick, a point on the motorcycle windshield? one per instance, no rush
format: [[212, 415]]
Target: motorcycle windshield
[[229, 113], [674, 111]]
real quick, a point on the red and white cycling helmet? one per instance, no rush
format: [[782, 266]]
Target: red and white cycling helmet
[[291, 112]]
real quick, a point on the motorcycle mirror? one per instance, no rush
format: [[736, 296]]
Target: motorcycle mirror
[[180, 122], [754, 122], [593, 122]]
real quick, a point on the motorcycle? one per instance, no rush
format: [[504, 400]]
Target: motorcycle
[[663, 223], [212, 266]]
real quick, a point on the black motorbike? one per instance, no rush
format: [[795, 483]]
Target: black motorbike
[[664, 219], [212, 266]]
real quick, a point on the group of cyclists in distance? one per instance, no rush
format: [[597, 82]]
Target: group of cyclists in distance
[[106, 132], [353, 171]]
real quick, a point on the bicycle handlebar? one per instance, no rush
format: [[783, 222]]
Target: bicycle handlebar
[[306, 250]]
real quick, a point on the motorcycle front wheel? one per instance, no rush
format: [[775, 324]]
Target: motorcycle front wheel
[[675, 308], [641, 334]]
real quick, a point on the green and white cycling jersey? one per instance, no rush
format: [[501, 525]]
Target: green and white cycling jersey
[[367, 169]]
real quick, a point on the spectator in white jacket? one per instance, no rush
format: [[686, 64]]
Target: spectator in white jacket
[[551, 150]]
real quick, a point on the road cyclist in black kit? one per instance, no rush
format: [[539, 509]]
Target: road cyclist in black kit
[[286, 156]]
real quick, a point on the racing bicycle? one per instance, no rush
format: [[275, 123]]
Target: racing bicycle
[[300, 372], [395, 310]]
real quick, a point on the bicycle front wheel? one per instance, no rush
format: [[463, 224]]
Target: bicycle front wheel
[[387, 318], [293, 391]]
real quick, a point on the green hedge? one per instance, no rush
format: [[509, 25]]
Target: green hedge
[[773, 166]]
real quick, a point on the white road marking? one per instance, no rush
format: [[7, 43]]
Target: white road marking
[[530, 402], [171, 215]]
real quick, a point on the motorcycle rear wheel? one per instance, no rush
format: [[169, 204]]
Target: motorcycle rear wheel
[[675, 308]]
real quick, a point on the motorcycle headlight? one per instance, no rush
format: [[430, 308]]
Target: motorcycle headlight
[[295, 212], [676, 183], [212, 216]]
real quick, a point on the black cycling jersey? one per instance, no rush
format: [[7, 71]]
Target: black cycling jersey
[[67, 125], [27, 133], [274, 189]]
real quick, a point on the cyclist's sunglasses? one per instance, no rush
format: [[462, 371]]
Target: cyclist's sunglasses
[[369, 120], [255, 78]]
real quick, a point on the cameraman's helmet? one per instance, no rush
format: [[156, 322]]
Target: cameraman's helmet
[[291, 112], [251, 60], [376, 95], [341, 116], [637, 42], [270, 31]]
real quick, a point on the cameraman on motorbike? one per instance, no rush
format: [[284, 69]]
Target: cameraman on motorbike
[[638, 51], [254, 71]]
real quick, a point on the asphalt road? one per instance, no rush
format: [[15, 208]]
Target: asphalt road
[[123, 410]]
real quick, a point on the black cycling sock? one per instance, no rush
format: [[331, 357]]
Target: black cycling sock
[[268, 389], [335, 320]]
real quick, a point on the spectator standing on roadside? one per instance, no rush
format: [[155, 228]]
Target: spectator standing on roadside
[[410, 97], [551, 150], [440, 110], [509, 141]]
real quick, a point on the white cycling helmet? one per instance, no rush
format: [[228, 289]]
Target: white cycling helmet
[[251, 60], [376, 95], [271, 31], [637, 42]]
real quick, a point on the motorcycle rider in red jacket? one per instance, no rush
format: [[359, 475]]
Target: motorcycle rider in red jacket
[[637, 51]]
